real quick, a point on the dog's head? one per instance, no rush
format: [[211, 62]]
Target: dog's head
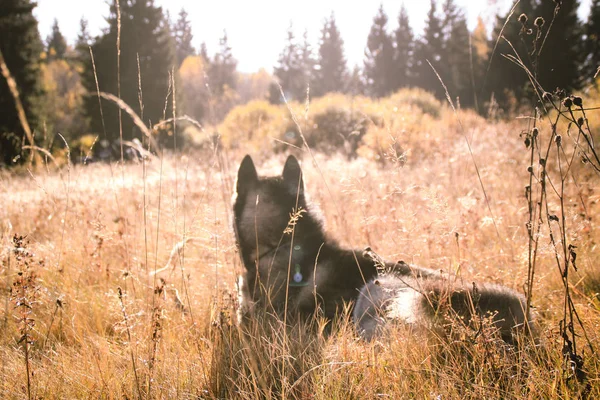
[[263, 205], [274, 228]]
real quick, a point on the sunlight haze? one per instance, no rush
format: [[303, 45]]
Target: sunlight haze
[[257, 30]]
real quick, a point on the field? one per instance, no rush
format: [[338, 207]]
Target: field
[[119, 280]]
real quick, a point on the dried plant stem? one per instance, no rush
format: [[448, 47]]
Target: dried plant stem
[[126, 321], [14, 91]]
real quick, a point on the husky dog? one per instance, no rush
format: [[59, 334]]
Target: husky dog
[[293, 268], [418, 301]]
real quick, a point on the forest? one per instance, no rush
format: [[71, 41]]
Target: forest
[[481, 70]]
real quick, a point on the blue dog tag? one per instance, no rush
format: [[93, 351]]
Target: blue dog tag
[[297, 277]]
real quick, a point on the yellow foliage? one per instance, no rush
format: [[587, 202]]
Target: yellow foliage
[[373, 128], [64, 99], [417, 97], [255, 123], [254, 86], [195, 95]]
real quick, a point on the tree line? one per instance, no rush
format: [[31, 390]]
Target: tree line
[[161, 69], [472, 65]]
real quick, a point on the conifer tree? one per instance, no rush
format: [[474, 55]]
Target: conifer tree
[[503, 79], [289, 71], [144, 33], [182, 32], [331, 71], [222, 69], [204, 52], [430, 48], [562, 55], [56, 45], [379, 57], [84, 40], [480, 52], [307, 63], [356, 82], [592, 43], [404, 49], [456, 66], [21, 47]]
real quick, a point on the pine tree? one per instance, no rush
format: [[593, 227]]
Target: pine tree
[[145, 33], [84, 40], [21, 48], [307, 63], [480, 51], [182, 32], [503, 79], [455, 69], [562, 57], [288, 71], [204, 52], [379, 57], [451, 14], [331, 71], [430, 48], [222, 69], [56, 45], [404, 50], [592, 43], [356, 82]]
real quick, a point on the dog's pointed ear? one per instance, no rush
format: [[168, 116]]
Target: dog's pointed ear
[[247, 175], [292, 174]]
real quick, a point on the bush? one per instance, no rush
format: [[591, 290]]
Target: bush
[[252, 123], [82, 147], [333, 123], [419, 98]]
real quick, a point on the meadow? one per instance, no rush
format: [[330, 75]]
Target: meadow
[[119, 280]]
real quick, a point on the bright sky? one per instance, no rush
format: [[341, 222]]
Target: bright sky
[[257, 29]]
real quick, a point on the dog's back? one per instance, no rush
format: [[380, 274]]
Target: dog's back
[[415, 301]]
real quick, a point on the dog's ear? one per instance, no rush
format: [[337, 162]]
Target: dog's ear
[[247, 175], [292, 174]]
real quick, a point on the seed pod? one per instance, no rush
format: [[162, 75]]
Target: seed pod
[[578, 101], [539, 22], [567, 102], [522, 18]]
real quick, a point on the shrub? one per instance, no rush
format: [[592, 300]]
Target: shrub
[[333, 122], [252, 123], [417, 97], [82, 147]]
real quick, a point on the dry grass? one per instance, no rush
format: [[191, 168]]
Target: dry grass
[[105, 326]]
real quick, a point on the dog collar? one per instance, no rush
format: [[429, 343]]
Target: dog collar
[[297, 256]]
